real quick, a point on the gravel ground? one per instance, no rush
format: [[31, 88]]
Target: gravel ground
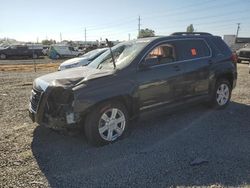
[[191, 147]]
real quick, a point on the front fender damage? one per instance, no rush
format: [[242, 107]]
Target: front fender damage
[[57, 108]]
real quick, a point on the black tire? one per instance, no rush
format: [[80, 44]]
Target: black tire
[[239, 61], [3, 56], [215, 96], [93, 120]]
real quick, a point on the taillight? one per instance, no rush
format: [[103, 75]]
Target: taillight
[[234, 59]]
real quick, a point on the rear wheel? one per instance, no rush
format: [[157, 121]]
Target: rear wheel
[[3, 56], [239, 61], [107, 123], [222, 94]]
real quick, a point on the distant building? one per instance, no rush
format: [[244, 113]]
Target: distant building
[[229, 40], [236, 43], [243, 40]]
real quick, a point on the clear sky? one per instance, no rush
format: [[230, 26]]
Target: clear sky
[[27, 20]]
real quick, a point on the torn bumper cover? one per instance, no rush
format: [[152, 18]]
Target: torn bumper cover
[[53, 107]]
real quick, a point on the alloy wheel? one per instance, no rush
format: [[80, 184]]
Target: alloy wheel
[[222, 94], [112, 124]]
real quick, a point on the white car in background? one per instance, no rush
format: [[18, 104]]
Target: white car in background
[[82, 60], [58, 51]]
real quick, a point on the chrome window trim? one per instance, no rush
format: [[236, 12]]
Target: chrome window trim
[[175, 62]]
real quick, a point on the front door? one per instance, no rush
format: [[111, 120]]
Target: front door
[[160, 77]]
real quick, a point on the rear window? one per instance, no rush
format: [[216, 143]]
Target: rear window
[[191, 49]]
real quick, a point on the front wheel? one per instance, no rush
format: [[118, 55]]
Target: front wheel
[[3, 56], [222, 94], [106, 124]]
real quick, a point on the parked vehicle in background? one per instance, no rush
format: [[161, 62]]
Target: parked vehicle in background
[[20, 51], [244, 54], [45, 50], [82, 60], [131, 78], [3, 46], [62, 51]]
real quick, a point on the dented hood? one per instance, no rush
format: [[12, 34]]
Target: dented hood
[[69, 77]]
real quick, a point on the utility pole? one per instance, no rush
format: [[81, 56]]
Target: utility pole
[[139, 26], [85, 36], [60, 36], [238, 29]]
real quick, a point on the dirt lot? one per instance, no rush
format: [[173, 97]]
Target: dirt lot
[[158, 153], [43, 64]]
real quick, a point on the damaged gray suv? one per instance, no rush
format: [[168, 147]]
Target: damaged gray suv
[[131, 78]]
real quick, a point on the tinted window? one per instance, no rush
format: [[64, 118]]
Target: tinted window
[[220, 46], [191, 49]]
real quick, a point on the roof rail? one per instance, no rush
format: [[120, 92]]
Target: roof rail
[[190, 33]]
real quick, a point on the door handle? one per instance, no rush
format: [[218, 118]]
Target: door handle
[[210, 61]]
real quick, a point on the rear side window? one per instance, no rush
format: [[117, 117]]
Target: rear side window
[[220, 46], [191, 49]]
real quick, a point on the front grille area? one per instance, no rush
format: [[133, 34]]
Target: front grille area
[[35, 99], [245, 54]]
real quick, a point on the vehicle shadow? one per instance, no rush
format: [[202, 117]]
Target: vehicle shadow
[[158, 152]]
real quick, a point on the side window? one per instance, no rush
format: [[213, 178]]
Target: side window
[[161, 54], [191, 49], [220, 46]]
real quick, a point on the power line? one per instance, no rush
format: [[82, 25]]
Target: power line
[[116, 23], [173, 13]]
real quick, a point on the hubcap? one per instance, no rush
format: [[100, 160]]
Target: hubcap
[[222, 94], [112, 124], [3, 56]]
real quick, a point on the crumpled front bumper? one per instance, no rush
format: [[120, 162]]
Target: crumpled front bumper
[[41, 115]]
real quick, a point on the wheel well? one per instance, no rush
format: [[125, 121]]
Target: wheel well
[[127, 101], [227, 76]]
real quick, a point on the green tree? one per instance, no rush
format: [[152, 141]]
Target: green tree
[[48, 42], [146, 33], [190, 28]]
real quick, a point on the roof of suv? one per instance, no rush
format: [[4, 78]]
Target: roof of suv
[[179, 35]]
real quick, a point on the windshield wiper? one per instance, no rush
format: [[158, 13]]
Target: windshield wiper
[[112, 55]]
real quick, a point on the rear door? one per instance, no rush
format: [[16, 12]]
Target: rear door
[[195, 56]]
